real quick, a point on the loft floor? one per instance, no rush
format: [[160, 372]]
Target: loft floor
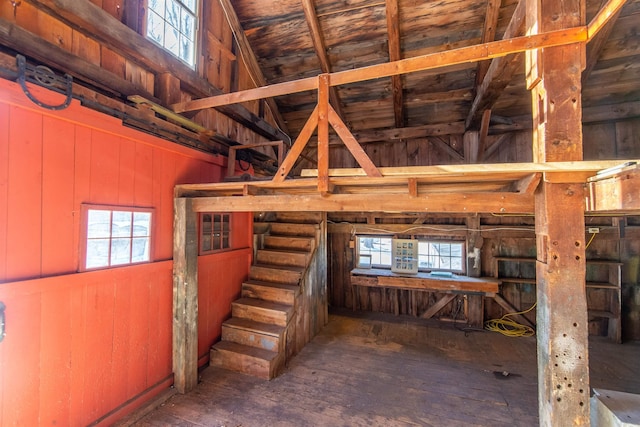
[[368, 369]]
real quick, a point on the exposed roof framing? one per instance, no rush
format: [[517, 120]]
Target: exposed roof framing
[[488, 35], [250, 59], [500, 71], [94, 21], [321, 51], [362, 35], [395, 54]]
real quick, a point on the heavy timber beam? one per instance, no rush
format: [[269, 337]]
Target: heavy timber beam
[[554, 75], [93, 21], [490, 202], [321, 50], [250, 59], [410, 65], [185, 296], [499, 72]]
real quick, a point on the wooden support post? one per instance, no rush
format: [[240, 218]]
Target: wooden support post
[[323, 133], [562, 329], [471, 141], [554, 75], [185, 296]]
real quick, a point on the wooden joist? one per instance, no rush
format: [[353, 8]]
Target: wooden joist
[[420, 63]]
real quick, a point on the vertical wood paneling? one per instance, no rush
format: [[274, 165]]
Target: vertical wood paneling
[[143, 194], [220, 278], [99, 318], [24, 194], [160, 323], [58, 250], [126, 175], [77, 297], [81, 345], [82, 182], [123, 327], [105, 155], [596, 141], [55, 370], [627, 139], [164, 230], [4, 190], [21, 358]]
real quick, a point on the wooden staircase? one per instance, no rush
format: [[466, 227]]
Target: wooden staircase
[[255, 338]]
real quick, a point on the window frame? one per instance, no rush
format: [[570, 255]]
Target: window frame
[[197, 17], [201, 233], [420, 239], [85, 208], [462, 243]]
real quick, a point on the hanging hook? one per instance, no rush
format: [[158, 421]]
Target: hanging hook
[[15, 5]]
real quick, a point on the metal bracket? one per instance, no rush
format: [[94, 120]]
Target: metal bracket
[[45, 77]]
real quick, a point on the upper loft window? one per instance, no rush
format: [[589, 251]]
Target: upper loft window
[[115, 236], [172, 24]]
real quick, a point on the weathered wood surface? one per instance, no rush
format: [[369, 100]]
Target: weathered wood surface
[[379, 370], [423, 281], [185, 296]]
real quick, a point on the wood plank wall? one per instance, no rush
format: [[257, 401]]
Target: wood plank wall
[[515, 148], [217, 59], [84, 347], [511, 240]]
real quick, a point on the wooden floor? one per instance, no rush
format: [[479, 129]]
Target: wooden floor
[[381, 370]]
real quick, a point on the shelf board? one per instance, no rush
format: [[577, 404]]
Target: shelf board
[[601, 313], [602, 285], [517, 280]]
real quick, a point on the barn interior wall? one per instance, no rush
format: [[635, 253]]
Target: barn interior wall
[[512, 241], [83, 347], [217, 63], [514, 148]]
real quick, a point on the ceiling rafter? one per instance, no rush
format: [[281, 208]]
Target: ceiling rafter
[[500, 71], [488, 35], [321, 51], [395, 54], [597, 44], [250, 60]]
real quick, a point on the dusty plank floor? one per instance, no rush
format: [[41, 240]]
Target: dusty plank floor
[[371, 369]]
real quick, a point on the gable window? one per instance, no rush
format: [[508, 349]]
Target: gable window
[[172, 24], [433, 255], [115, 236], [215, 232]]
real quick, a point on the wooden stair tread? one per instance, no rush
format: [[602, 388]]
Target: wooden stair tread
[[284, 251], [299, 243], [282, 286], [293, 229], [280, 267], [265, 305], [253, 326], [255, 352]]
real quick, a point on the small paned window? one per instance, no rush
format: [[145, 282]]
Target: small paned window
[[215, 232], [115, 236], [433, 255], [374, 251], [442, 256], [172, 24]]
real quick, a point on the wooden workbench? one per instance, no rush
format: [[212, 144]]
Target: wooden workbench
[[476, 289]]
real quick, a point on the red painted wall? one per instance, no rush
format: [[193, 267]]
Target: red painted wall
[[87, 347]]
